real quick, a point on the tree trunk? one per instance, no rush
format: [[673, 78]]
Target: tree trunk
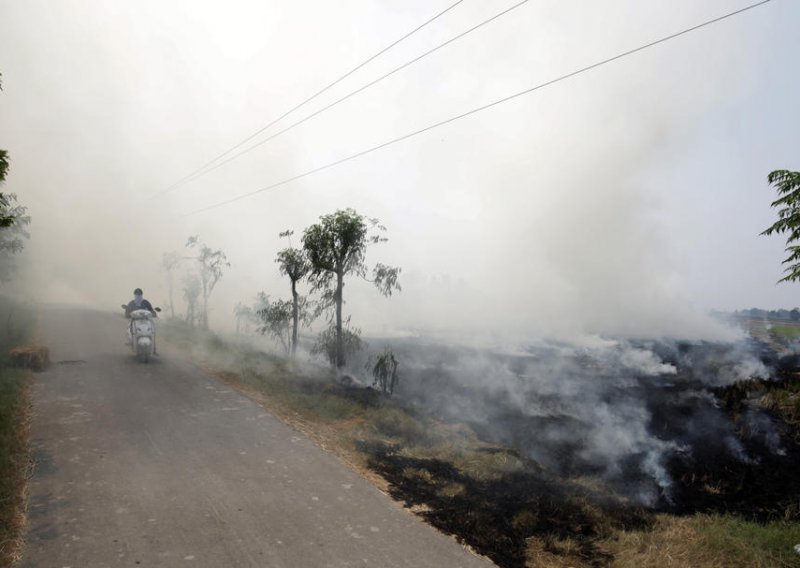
[[339, 339], [295, 317], [171, 295], [204, 315]]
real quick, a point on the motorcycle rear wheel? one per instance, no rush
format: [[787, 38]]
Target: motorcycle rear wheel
[[143, 355]]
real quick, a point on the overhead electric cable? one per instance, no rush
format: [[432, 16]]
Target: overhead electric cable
[[481, 108], [309, 99], [362, 88]]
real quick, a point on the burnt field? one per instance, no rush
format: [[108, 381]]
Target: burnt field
[[559, 446]]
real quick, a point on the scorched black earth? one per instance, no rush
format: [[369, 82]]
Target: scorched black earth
[[609, 437]]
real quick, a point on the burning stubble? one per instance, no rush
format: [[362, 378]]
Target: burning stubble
[[621, 412]]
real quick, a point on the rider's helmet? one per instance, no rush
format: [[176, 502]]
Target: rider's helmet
[[137, 292]]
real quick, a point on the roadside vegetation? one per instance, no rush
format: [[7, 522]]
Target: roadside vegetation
[[497, 501], [16, 330]]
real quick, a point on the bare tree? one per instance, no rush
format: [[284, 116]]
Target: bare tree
[[191, 293], [169, 262], [244, 316], [210, 265]]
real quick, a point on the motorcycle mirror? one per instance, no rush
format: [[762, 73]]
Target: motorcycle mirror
[[123, 306], [158, 309]]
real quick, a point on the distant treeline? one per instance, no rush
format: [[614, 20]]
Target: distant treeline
[[793, 314]]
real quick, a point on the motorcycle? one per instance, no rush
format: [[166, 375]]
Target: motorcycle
[[142, 334]]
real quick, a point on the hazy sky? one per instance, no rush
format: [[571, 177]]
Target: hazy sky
[[626, 200]]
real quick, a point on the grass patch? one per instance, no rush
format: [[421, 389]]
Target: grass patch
[[16, 328], [786, 403], [786, 332], [13, 460], [707, 540]]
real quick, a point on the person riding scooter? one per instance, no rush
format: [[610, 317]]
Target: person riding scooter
[[139, 303]]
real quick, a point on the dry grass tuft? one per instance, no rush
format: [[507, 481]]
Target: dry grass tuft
[[710, 541], [34, 357]]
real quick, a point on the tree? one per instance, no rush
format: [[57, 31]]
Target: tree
[[293, 263], [13, 219], [244, 316], [276, 321], [191, 293], [787, 184], [169, 262], [336, 247], [210, 265], [332, 346]]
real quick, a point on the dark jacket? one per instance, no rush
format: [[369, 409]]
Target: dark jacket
[[145, 305]]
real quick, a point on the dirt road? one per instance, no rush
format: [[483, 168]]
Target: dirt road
[[161, 465]]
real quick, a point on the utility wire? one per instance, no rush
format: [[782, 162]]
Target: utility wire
[[309, 99], [481, 108], [362, 88]]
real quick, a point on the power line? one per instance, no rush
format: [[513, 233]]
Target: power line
[[309, 99], [360, 89], [482, 108]]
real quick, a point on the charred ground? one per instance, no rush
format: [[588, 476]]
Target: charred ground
[[729, 449]]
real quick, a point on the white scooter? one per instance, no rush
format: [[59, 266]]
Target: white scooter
[[142, 334]]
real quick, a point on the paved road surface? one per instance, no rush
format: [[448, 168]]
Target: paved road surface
[[161, 465]]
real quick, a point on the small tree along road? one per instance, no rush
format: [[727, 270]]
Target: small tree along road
[[787, 183], [13, 219], [210, 265], [293, 263], [336, 247]]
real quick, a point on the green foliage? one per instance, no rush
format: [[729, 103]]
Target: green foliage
[[13, 231], [385, 278], [293, 263], [13, 220], [327, 343], [385, 372], [787, 184], [12, 217], [336, 247], [4, 165], [276, 321]]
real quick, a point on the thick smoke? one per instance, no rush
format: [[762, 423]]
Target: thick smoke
[[618, 411], [589, 209], [549, 215]]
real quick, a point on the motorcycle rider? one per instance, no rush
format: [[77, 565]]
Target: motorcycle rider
[[139, 303]]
